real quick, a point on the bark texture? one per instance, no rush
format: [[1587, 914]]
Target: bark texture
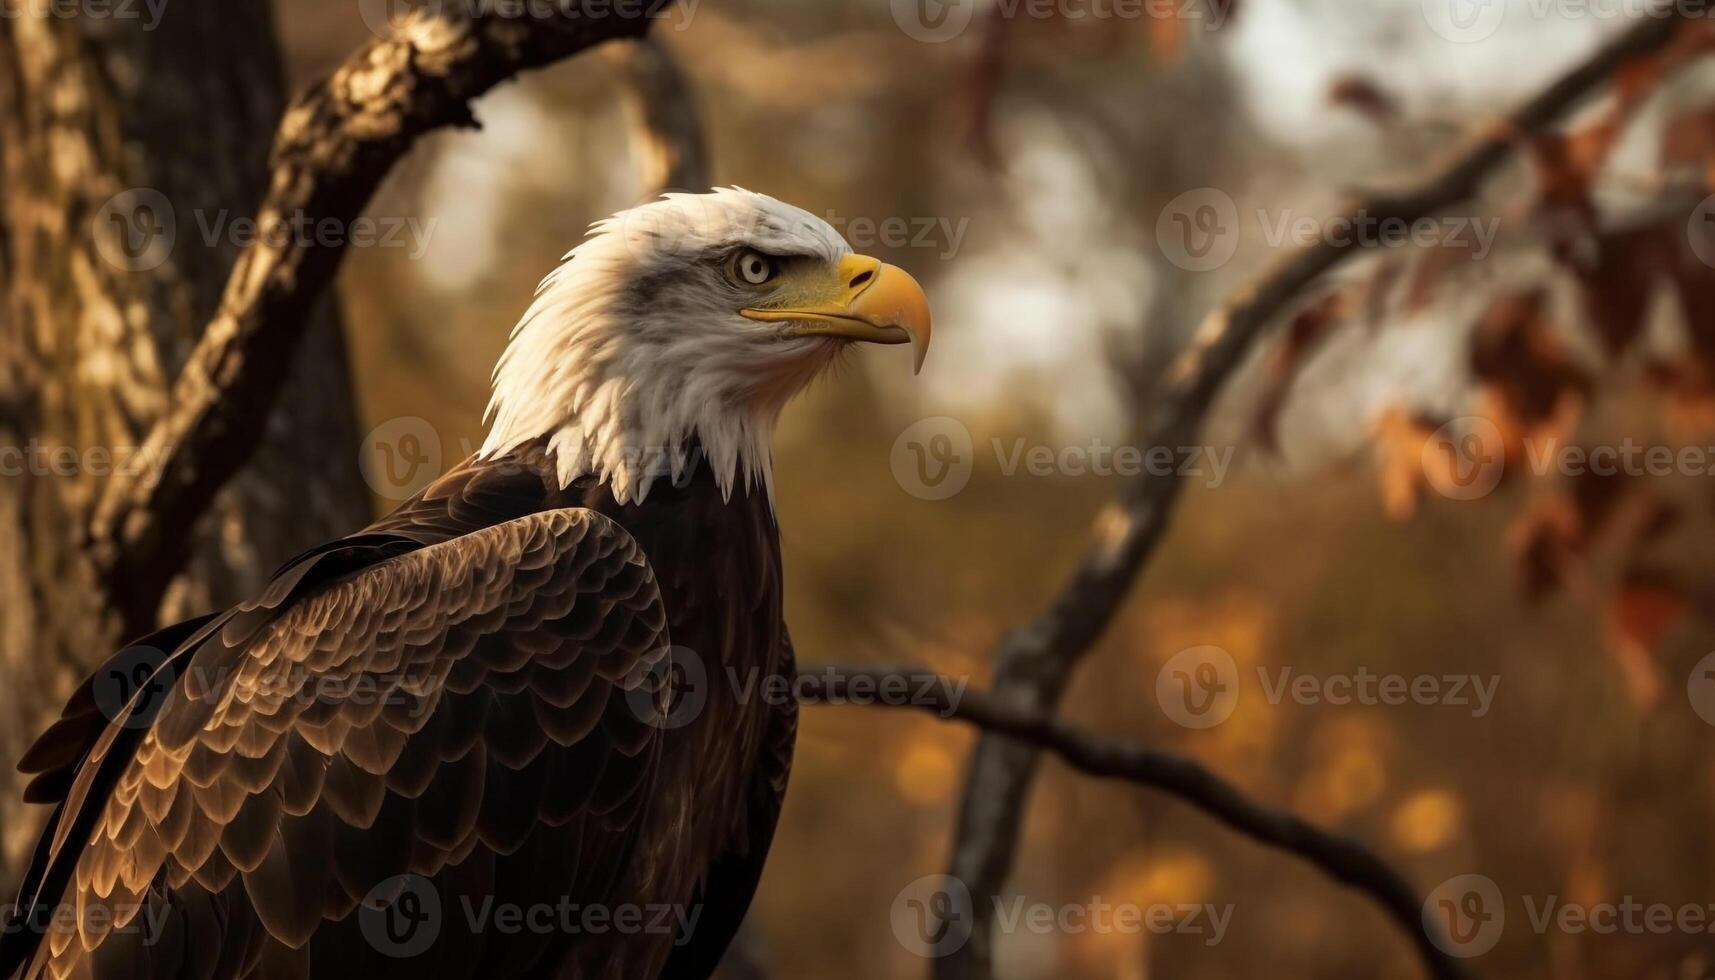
[[128, 150]]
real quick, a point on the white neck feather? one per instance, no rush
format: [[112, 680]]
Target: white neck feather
[[627, 405]]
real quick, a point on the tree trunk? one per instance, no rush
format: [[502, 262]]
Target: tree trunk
[[129, 149]]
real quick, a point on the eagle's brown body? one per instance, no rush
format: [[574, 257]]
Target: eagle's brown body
[[457, 724], [236, 824]]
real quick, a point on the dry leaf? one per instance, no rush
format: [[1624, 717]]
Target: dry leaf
[[1308, 329], [1363, 96]]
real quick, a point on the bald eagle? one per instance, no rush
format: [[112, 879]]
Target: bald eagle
[[450, 745]]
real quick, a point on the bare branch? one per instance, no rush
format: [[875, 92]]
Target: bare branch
[[1036, 660], [666, 127], [1340, 858], [333, 148]]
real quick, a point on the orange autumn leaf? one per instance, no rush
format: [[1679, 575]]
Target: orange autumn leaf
[[1644, 608], [1689, 139], [1616, 286], [1409, 461], [1529, 378]]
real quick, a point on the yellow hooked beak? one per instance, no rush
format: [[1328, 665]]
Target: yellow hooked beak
[[877, 304]]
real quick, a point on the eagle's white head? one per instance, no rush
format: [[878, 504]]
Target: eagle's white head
[[697, 316]]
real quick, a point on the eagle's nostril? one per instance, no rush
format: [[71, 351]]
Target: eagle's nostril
[[862, 279]]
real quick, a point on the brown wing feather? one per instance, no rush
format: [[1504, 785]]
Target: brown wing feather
[[389, 724]]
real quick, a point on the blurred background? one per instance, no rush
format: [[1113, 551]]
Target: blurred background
[[1036, 173]]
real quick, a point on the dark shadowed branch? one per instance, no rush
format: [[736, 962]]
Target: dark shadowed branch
[[667, 130], [333, 148], [1342, 859], [1035, 661]]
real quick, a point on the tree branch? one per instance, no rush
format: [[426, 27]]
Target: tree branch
[[333, 148], [1036, 660], [667, 130], [1345, 860]]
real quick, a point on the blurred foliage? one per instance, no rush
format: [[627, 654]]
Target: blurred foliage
[[1060, 148]]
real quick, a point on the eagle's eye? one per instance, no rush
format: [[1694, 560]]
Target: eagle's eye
[[753, 268]]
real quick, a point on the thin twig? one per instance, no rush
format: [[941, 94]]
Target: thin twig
[[1341, 858], [1035, 661]]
